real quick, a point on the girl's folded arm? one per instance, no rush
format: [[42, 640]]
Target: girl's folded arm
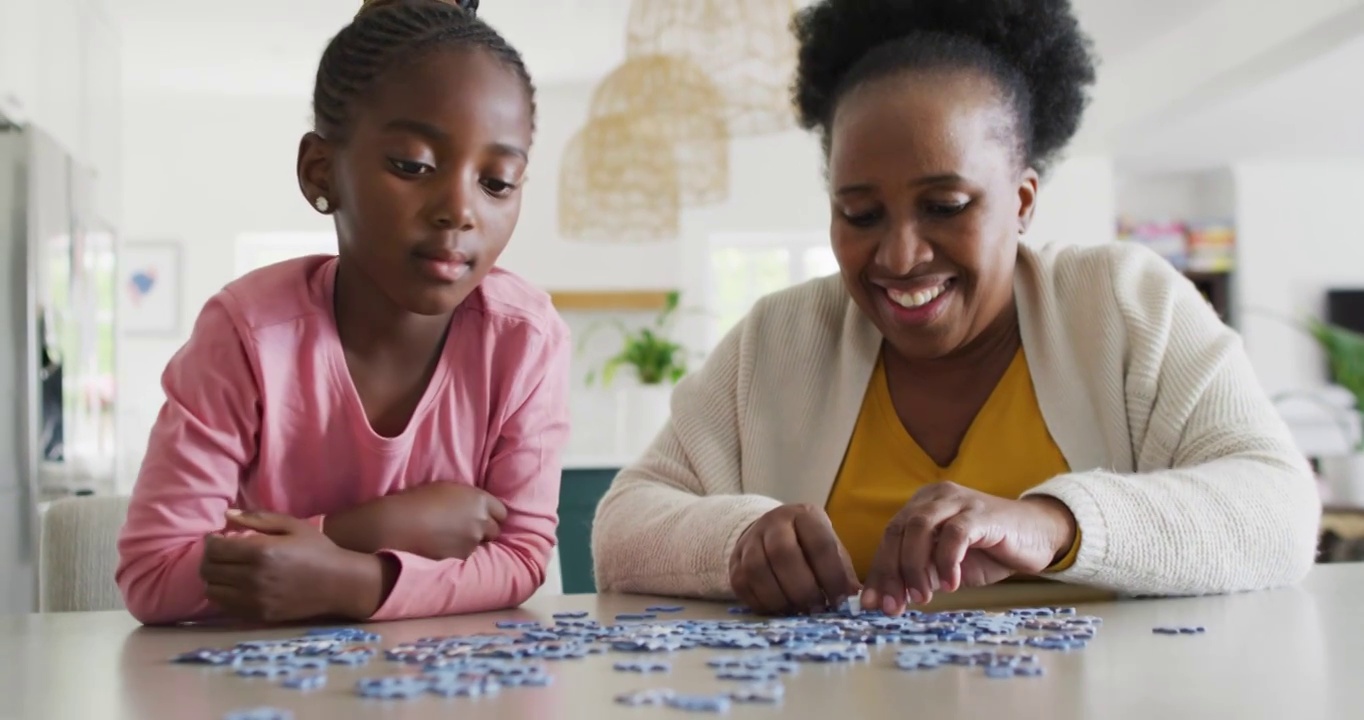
[[524, 472], [204, 435]]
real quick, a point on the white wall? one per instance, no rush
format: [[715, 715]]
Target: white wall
[[1076, 203], [1176, 196], [200, 170], [1299, 233], [538, 252]]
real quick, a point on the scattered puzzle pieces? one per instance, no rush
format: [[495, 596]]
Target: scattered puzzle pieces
[[753, 653]]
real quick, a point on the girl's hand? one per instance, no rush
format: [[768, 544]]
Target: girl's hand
[[290, 571], [948, 536], [790, 561], [439, 520]]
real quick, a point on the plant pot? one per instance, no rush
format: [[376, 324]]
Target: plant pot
[[641, 412], [1343, 476]]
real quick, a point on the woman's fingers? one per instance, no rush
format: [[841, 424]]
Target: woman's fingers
[[920, 523], [828, 561], [954, 538], [786, 556], [885, 586], [767, 595]]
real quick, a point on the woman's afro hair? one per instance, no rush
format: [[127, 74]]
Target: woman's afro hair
[[1034, 49]]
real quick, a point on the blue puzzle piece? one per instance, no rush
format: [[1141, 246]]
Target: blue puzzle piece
[[260, 713], [305, 682], [699, 703]]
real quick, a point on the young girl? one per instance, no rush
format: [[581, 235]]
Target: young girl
[[375, 435]]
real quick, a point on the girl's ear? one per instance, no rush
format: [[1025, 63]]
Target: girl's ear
[[315, 171]]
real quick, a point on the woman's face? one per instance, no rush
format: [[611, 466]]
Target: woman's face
[[929, 197]]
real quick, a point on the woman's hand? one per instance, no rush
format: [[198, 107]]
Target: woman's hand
[[439, 520], [790, 561], [286, 570], [948, 536]]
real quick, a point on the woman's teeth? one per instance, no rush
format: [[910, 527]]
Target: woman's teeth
[[916, 299]]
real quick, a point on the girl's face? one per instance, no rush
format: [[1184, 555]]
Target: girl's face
[[427, 185], [928, 202]]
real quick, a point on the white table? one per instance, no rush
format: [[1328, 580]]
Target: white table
[[1289, 654]]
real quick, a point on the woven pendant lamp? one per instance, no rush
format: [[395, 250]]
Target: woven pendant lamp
[[618, 185], [744, 46], [672, 102]]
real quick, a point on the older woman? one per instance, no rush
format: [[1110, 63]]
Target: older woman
[[955, 407]]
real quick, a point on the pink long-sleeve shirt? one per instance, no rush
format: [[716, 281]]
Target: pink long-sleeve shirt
[[261, 414]]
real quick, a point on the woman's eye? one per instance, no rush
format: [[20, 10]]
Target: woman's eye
[[411, 167], [945, 209], [862, 220]]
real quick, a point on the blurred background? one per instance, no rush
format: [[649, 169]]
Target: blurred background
[[148, 153]]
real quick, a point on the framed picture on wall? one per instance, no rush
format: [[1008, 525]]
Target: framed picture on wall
[[149, 288]]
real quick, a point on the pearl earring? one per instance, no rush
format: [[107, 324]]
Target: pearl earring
[[321, 204]]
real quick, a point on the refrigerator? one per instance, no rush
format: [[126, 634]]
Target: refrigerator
[[57, 278]]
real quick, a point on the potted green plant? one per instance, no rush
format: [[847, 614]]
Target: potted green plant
[[654, 358], [652, 362], [1344, 349]]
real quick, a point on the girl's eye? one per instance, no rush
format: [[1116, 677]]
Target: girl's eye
[[863, 220], [411, 167], [498, 188]]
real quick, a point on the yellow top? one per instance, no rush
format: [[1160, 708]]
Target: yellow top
[[1007, 451]]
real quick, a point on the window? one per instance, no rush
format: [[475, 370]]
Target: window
[[745, 267], [76, 364], [256, 250]]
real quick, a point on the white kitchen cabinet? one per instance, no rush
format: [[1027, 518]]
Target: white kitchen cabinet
[[61, 70], [18, 58], [102, 115], [61, 86]]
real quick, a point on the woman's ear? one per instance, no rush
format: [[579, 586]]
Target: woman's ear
[[1027, 198], [315, 171]]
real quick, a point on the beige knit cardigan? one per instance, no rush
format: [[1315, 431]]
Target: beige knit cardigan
[[1184, 479]]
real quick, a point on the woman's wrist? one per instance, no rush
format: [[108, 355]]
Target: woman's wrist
[[1061, 524]]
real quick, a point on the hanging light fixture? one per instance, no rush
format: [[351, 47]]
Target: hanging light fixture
[[617, 184], [744, 46], [671, 102]]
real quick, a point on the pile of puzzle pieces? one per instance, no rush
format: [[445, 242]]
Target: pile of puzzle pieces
[[1001, 644]]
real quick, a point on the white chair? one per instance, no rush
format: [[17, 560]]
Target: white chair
[[554, 578], [78, 554]]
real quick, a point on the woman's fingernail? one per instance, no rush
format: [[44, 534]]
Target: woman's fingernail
[[888, 605], [916, 597]]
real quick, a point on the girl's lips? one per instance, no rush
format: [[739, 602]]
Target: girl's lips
[[447, 271]]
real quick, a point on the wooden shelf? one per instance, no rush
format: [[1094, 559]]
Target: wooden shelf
[[610, 300]]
